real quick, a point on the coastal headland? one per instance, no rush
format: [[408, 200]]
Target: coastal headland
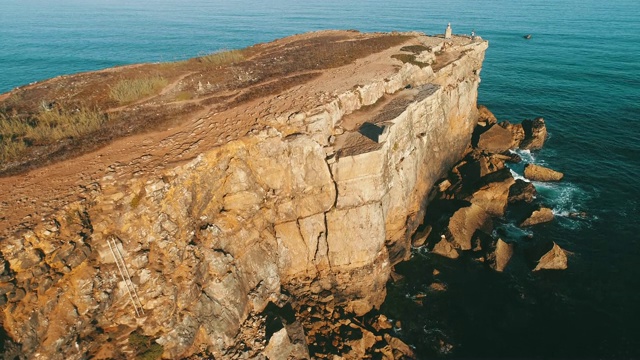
[[242, 204]]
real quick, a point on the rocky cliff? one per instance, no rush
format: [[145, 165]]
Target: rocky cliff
[[313, 204]]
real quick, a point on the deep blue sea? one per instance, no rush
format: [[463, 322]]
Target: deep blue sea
[[580, 71]]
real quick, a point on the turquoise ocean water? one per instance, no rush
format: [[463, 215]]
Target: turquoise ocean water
[[580, 71]]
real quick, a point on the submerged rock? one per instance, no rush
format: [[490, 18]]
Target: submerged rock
[[541, 173], [554, 259], [539, 216], [535, 134]]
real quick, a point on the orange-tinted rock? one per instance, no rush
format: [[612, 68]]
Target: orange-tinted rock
[[540, 216], [535, 134], [495, 140], [541, 173], [554, 259]]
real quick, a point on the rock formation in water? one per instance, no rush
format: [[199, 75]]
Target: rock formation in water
[[300, 190]]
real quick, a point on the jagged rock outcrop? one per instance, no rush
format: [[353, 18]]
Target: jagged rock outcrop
[[499, 255], [445, 248], [496, 139], [485, 116], [522, 191], [517, 133], [535, 132], [465, 222], [493, 197], [554, 259], [539, 216], [541, 173], [306, 202]]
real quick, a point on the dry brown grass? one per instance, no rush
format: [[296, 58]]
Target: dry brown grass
[[129, 90], [221, 58], [19, 133], [32, 137]]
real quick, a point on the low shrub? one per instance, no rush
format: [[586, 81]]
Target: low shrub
[[129, 90], [19, 132]]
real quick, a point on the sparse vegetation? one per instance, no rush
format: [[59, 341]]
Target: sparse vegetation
[[19, 132], [224, 57], [184, 96], [416, 49], [409, 58], [129, 90], [145, 347]]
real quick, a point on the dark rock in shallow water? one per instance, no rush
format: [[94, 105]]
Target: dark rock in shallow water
[[522, 191], [540, 216], [535, 132], [541, 173]]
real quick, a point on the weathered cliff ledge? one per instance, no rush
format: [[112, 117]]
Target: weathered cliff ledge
[[183, 237]]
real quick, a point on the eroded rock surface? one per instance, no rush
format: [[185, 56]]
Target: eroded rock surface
[[539, 216], [541, 173], [554, 259], [535, 134]]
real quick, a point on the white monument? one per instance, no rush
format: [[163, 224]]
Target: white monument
[[447, 32]]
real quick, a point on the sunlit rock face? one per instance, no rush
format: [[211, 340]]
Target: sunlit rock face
[[320, 204]]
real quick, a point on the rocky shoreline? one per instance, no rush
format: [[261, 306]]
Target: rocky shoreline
[[460, 217]]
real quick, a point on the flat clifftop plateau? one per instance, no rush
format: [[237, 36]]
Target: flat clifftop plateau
[[180, 203]]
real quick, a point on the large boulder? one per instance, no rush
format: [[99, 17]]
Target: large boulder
[[495, 140], [485, 116], [445, 248], [499, 255], [465, 222], [493, 197], [554, 259], [539, 216], [522, 191], [288, 343], [541, 173], [535, 132], [517, 133]]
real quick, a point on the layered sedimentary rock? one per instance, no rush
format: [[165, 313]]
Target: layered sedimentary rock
[[318, 203]]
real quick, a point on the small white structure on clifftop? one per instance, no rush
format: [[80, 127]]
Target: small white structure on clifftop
[[447, 32]]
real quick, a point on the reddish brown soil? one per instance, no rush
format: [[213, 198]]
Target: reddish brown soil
[[222, 103]]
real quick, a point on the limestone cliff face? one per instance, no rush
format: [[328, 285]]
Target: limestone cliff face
[[320, 204]]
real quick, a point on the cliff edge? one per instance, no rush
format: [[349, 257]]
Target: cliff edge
[[301, 188]]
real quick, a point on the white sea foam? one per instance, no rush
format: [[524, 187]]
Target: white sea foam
[[517, 176]]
